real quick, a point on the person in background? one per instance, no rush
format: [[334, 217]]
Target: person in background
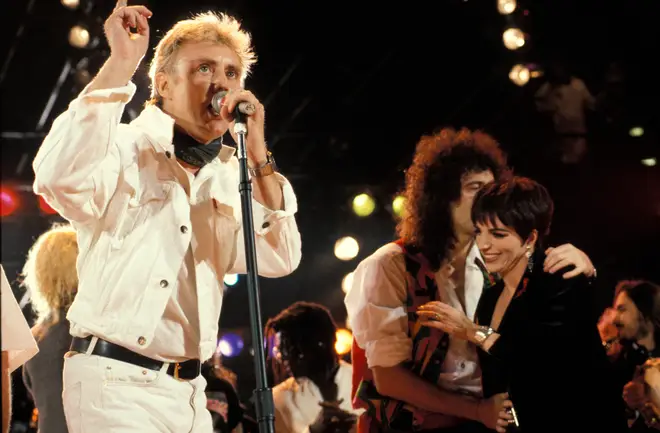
[[50, 276], [18, 344], [637, 321], [566, 99], [222, 399], [313, 391]]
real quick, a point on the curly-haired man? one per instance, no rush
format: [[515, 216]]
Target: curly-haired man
[[408, 377]]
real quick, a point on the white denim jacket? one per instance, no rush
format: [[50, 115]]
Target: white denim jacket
[[130, 201]]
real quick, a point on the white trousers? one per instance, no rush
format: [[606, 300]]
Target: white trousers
[[102, 395]]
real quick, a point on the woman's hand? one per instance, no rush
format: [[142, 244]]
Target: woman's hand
[[494, 412], [448, 319]]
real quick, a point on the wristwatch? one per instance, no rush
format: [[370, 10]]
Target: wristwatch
[[265, 169], [482, 333]]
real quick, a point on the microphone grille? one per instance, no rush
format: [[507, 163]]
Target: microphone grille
[[216, 101]]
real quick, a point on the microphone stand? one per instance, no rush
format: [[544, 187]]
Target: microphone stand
[[265, 408]]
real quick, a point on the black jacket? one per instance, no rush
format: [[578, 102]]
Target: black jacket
[[549, 355]]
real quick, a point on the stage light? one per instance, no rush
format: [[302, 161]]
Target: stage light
[[506, 7], [636, 131], [519, 75], [513, 38], [363, 205], [230, 345], [8, 202], [398, 205], [649, 162], [231, 279], [344, 341], [71, 4], [45, 207], [347, 282], [346, 248], [79, 36]]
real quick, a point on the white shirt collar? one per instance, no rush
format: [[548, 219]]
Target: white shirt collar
[[473, 255], [160, 126]]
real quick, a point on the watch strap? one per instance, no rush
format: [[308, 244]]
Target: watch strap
[[266, 169]]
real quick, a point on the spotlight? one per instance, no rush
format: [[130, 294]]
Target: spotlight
[[230, 279], [347, 282], [636, 131], [71, 4], [8, 202], [45, 207], [363, 205], [230, 345], [506, 7], [513, 38], [398, 205], [79, 36], [346, 248], [649, 162], [344, 341], [521, 74]]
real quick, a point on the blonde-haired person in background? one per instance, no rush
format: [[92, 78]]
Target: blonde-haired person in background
[[51, 279], [156, 207]]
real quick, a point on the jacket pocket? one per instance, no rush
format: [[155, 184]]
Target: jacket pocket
[[137, 211]]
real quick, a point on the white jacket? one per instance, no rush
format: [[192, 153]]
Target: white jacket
[[121, 188]]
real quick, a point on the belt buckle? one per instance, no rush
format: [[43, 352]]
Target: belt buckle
[[177, 367]]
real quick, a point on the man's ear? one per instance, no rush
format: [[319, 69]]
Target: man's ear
[[162, 85]]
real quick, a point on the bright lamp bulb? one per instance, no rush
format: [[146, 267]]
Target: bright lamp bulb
[[513, 38], [346, 248]]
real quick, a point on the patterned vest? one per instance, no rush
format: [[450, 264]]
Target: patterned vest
[[428, 353]]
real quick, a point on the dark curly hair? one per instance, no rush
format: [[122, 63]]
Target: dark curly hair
[[307, 343], [433, 182]]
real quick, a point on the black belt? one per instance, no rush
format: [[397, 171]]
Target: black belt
[[187, 370]]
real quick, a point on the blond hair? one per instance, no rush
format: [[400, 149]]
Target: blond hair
[[205, 27], [50, 274]]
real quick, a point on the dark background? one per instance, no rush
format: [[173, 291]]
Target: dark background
[[349, 88]]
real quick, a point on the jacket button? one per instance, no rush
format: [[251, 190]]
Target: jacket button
[[141, 341], [164, 283], [168, 154], [265, 225], [184, 229]]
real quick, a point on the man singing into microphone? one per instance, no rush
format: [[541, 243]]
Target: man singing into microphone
[[156, 207]]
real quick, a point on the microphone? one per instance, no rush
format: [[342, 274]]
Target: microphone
[[242, 108]]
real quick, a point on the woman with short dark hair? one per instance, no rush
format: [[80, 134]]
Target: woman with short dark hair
[[536, 331]]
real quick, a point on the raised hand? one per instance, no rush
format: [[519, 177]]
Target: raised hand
[[493, 412], [126, 44]]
